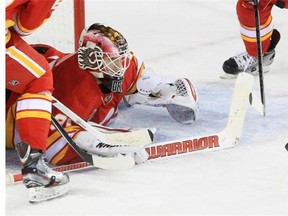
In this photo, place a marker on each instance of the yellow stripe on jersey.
(34, 106)
(249, 34)
(33, 114)
(34, 101)
(56, 139)
(25, 61)
(56, 135)
(254, 40)
(9, 23)
(60, 155)
(35, 96)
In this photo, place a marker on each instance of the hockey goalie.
(93, 81)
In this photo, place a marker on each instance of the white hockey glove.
(86, 141)
(179, 97)
(151, 90)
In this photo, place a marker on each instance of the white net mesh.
(58, 31)
(181, 89)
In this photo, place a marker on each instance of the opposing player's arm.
(33, 15)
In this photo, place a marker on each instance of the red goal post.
(79, 20)
(63, 28)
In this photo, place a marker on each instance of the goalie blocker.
(179, 97)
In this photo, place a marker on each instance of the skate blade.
(40, 194)
(266, 69)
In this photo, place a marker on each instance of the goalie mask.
(104, 51)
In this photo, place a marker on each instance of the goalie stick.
(109, 135)
(224, 139)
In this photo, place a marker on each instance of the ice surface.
(185, 39)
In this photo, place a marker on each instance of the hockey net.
(63, 29)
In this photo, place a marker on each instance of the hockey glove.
(179, 97)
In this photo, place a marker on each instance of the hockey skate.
(243, 62)
(42, 182)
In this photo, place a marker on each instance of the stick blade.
(256, 104)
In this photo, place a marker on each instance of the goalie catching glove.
(87, 141)
(179, 97)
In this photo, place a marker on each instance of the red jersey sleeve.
(31, 14)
